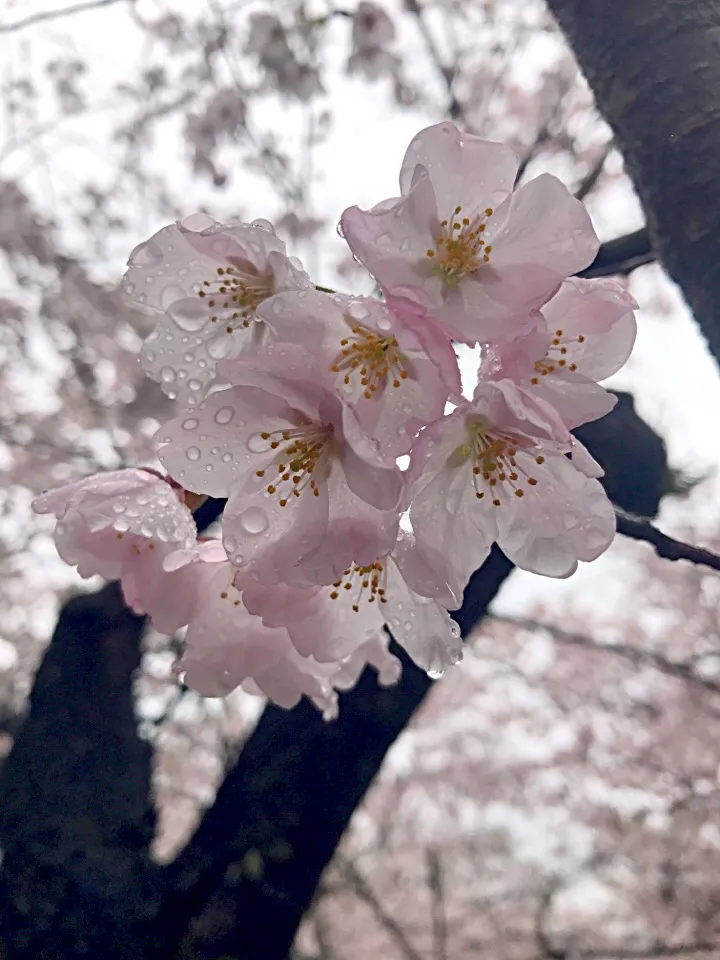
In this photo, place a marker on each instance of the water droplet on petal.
(193, 453)
(227, 457)
(224, 415)
(190, 313)
(384, 323)
(190, 424)
(167, 374)
(146, 254)
(258, 444)
(254, 521)
(358, 310)
(171, 294)
(119, 507)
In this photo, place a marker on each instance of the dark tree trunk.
(654, 67)
(76, 817)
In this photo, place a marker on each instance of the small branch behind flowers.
(43, 16)
(635, 655)
(640, 528)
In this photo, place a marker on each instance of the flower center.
(460, 248)
(496, 470)
(373, 357)
(303, 454)
(556, 357)
(236, 293)
(368, 584)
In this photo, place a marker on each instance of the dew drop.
(358, 310)
(146, 254)
(195, 385)
(227, 457)
(224, 415)
(254, 521)
(119, 507)
(190, 424)
(189, 313)
(258, 444)
(193, 453)
(220, 347)
(170, 295)
(121, 525)
(167, 374)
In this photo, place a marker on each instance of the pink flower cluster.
(297, 406)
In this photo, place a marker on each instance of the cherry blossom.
(381, 366)
(207, 280)
(495, 470)
(295, 405)
(585, 333)
(121, 525)
(308, 491)
(226, 646)
(458, 241)
(400, 591)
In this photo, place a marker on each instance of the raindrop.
(384, 323)
(258, 444)
(146, 254)
(358, 310)
(227, 457)
(130, 288)
(220, 347)
(167, 374)
(121, 525)
(190, 313)
(171, 294)
(195, 385)
(119, 508)
(254, 521)
(230, 544)
(190, 424)
(436, 672)
(193, 453)
(150, 356)
(224, 415)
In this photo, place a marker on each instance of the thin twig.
(636, 655)
(593, 175)
(363, 890)
(43, 16)
(455, 109)
(640, 528)
(437, 891)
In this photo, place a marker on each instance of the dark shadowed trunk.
(654, 67)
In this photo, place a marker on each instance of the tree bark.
(654, 67)
(76, 816)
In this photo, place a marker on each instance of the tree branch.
(44, 16)
(362, 889)
(635, 655)
(587, 184)
(621, 256)
(455, 109)
(640, 528)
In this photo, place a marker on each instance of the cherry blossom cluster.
(362, 487)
